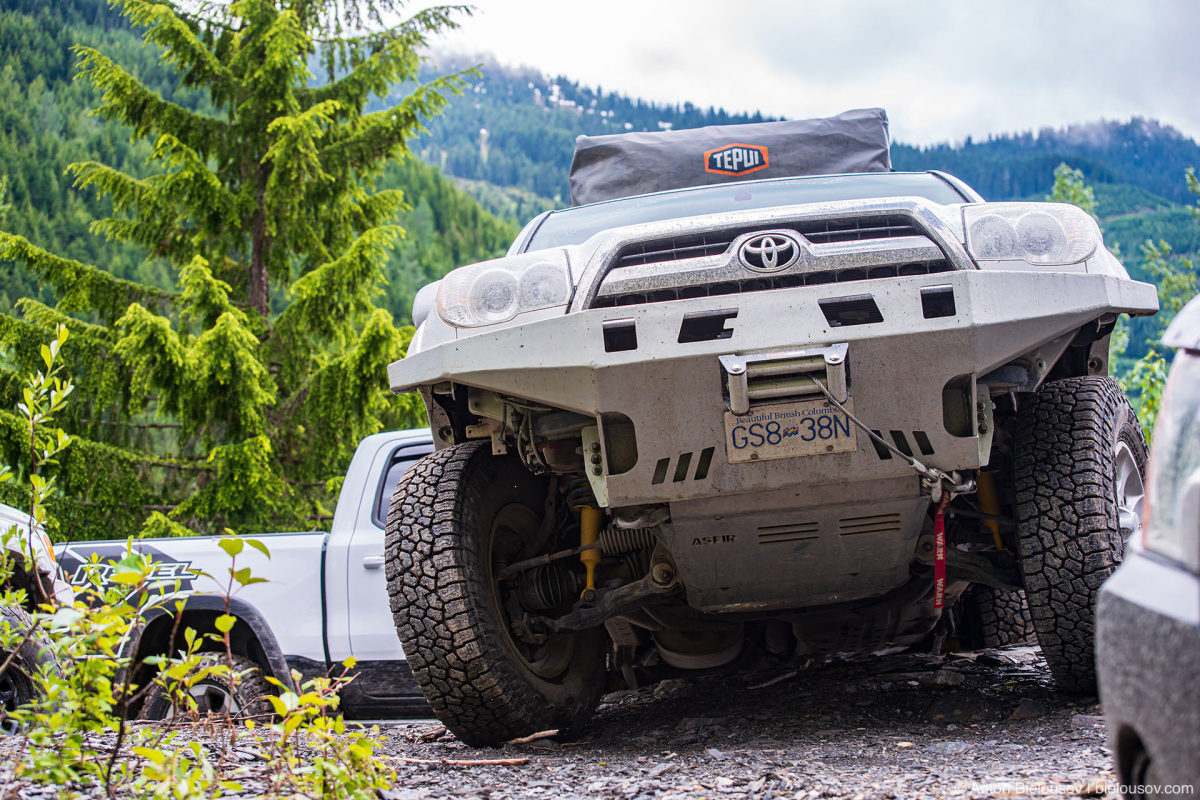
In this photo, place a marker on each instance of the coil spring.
(580, 493)
(625, 540)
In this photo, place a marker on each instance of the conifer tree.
(237, 398)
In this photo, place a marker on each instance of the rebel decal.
(77, 563)
(736, 159)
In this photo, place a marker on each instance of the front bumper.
(672, 392)
(1147, 661)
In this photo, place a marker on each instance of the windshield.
(577, 225)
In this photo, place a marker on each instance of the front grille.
(714, 243)
(677, 248)
(857, 230)
(759, 283)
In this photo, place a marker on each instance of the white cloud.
(943, 69)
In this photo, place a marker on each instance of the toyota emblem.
(769, 252)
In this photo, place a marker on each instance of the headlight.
(1045, 234)
(1172, 524)
(496, 291)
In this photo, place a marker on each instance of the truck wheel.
(216, 694)
(17, 686)
(1079, 468)
(455, 515)
(1001, 616)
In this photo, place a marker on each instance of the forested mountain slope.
(517, 128)
(507, 143)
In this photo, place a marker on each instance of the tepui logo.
(736, 159)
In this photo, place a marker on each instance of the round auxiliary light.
(993, 237)
(495, 296)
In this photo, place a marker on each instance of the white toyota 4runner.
(788, 415)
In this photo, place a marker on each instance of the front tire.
(450, 518)
(30, 654)
(1079, 468)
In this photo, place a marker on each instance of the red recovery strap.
(939, 551)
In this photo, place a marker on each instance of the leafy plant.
(1146, 382)
(1069, 187)
(86, 692)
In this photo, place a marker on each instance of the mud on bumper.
(672, 389)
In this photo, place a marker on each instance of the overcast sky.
(943, 69)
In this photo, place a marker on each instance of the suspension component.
(612, 542)
(989, 503)
(590, 521)
(617, 540)
(546, 587)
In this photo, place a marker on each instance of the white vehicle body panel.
(12, 518)
(321, 602)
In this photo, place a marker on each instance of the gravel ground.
(985, 724)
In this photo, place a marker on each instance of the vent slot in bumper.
(770, 377)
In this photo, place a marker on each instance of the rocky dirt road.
(969, 725)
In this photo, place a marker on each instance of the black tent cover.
(627, 164)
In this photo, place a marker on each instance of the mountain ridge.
(1141, 152)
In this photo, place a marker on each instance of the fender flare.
(276, 664)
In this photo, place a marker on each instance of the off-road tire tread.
(1067, 530)
(34, 654)
(436, 585)
(1004, 617)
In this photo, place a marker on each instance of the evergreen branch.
(378, 208)
(293, 155)
(149, 425)
(45, 319)
(227, 380)
(127, 100)
(393, 58)
(197, 65)
(244, 480)
(345, 400)
(266, 63)
(191, 187)
(382, 135)
(157, 357)
(203, 296)
(80, 287)
(330, 297)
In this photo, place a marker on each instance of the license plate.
(789, 430)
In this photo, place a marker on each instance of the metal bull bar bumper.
(673, 394)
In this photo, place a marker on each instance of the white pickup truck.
(325, 598)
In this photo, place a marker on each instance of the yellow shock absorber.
(590, 520)
(989, 503)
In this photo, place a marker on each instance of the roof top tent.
(628, 164)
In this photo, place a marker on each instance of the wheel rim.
(211, 698)
(1131, 492)
(548, 660)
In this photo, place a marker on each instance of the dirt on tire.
(1067, 515)
(1002, 616)
(440, 583)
